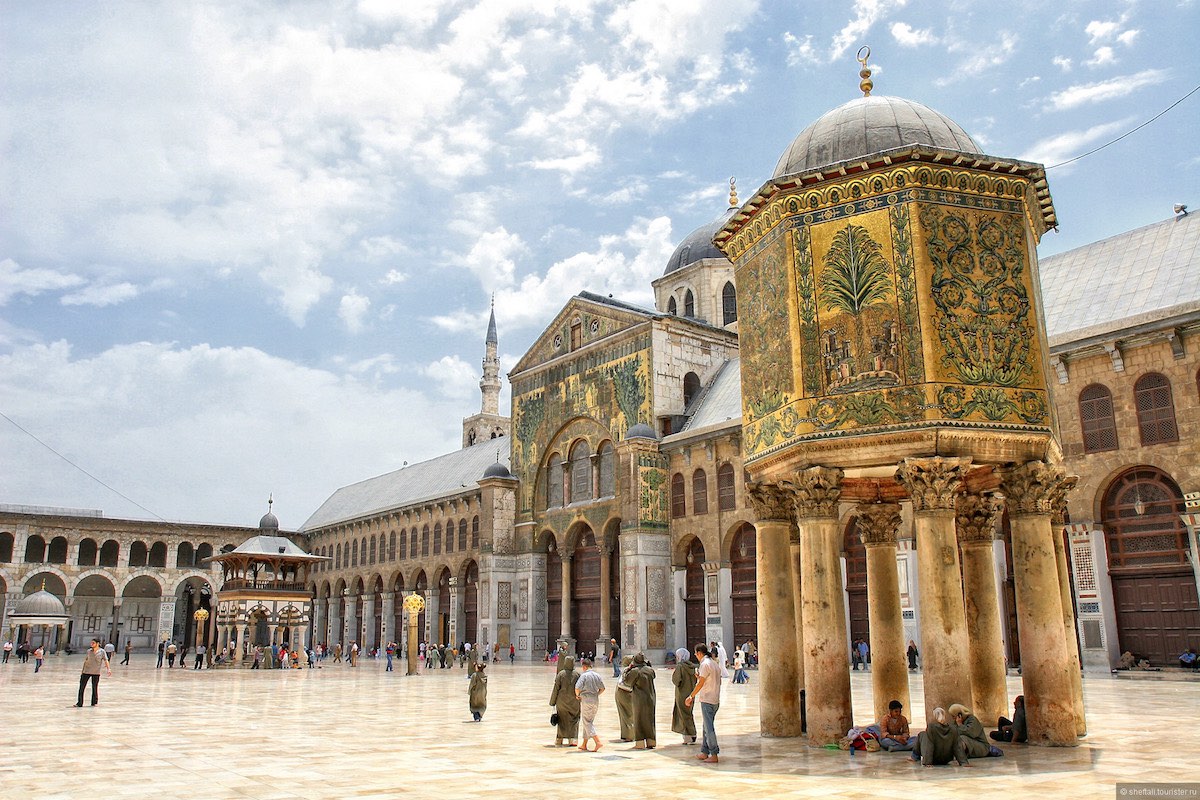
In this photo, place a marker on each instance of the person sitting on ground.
(893, 729)
(1189, 660)
(1127, 661)
(1013, 730)
(940, 743)
(974, 739)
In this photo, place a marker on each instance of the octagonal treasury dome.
(869, 125)
(40, 604)
(698, 245)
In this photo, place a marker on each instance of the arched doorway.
(356, 629)
(743, 558)
(92, 611)
(1154, 587)
(443, 635)
(193, 594)
(373, 638)
(470, 602)
(421, 586)
(856, 581)
(141, 599)
(553, 595)
(585, 592)
(694, 628)
(398, 622)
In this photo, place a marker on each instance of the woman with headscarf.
(940, 743)
(477, 693)
(641, 686)
(683, 720)
(624, 700)
(565, 702)
(970, 729)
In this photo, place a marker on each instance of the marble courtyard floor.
(364, 733)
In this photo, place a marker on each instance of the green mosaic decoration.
(855, 277)
(806, 305)
(767, 373)
(630, 392)
(906, 291)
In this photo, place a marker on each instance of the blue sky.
(248, 248)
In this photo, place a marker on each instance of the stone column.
(389, 619)
(567, 633)
(975, 518)
(826, 673)
(336, 632)
(368, 626)
(933, 485)
(452, 613)
(779, 697)
(321, 628)
(1045, 663)
(1058, 519)
(879, 527)
(606, 631)
(350, 624)
(116, 620)
(797, 605)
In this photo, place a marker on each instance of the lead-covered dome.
(497, 470)
(40, 604)
(871, 125)
(698, 245)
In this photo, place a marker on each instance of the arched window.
(424, 541)
(392, 546)
(6, 547)
(672, 307)
(1155, 409)
(450, 536)
(185, 556)
(475, 532)
(689, 304)
(110, 553)
(403, 544)
(691, 388)
(362, 548)
(337, 556)
(138, 554)
(1096, 419)
(57, 552)
(412, 544)
(699, 492)
(158, 554)
(437, 539)
(608, 470)
(729, 303)
(372, 550)
(554, 481)
(581, 472)
(354, 553)
(726, 494)
(462, 534)
(202, 552)
(678, 500)
(89, 552)
(35, 550)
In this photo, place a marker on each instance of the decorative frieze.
(933, 483)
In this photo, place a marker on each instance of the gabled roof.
(1144, 275)
(623, 315)
(451, 474)
(722, 398)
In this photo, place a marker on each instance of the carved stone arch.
(541, 542)
(200, 575)
(682, 547)
(611, 534)
(41, 569)
(358, 585)
(339, 588)
(419, 576)
(570, 540)
(324, 589)
(141, 573)
(731, 532)
(1105, 484)
(394, 576)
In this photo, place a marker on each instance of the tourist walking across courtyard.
(708, 692)
(566, 704)
(128, 652)
(640, 681)
(477, 692)
(588, 689)
(39, 655)
(683, 718)
(93, 661)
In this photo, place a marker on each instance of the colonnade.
(802, 620)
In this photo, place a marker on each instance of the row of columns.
(802, 620)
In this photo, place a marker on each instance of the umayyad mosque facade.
(860, 409)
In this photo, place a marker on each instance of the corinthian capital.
(975, 518)
(1058, 499)
(878, 523)
(771, 501)
(932, 483)
(1032, 487)
(818, 490)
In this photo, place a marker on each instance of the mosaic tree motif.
(855, 277)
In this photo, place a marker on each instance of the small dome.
(698, 245)
(641, 431)
(871, 125)
(268, 522)
(497, 470)
(41, 604)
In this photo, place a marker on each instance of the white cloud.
(1099, 92)
(1128, 37)
(1101, 30)
(1102, 56)
(454, 377)
(1063, 146)
(156, 421)
(393, 277)
(353, 309)
(1062, 62)
(800, 50)
(101, 295)
(16, 280)
(866, 14)
(492, 257)
(908, 36)
(980, 58)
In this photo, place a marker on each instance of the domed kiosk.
(35, 616)
(893, 348)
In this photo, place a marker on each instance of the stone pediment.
(586, 318)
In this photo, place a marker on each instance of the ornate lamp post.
(414, 604)
(201, 617)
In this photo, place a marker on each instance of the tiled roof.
(722, 400)
(1138, 276)
(271, 545)
(445, 475)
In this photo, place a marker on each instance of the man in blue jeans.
(614, 657)
(708, 692)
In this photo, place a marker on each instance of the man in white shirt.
(708, 692)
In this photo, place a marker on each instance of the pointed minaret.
(490, 384)
(488, 423)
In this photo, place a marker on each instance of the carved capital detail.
(932, 483)
(1058, 499)
(878, 523)
(771, 501)
(817, 491)
(975, 518)
(1031, 487)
